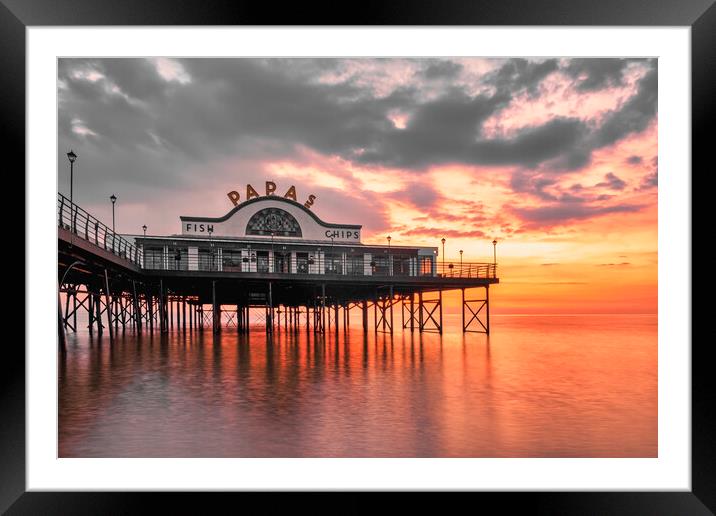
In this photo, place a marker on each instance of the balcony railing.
(466, 270)
(326, 265)
(76, 220)
(83, 225)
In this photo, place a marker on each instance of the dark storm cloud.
(519, 74)
(649, 181)
(159, 131)
(634, 160)
(442, 69)
(612, 182)
(596, 73)
(635, 114)
(419, 195)
(546, 216)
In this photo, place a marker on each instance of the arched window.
(273, 220)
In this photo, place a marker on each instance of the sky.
(555, 158)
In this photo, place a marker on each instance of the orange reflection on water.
(539, 386)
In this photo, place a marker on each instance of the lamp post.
(144, 228)
(494, 258)
(443, 241)
(460, 261)
(72, 157)
(390, 261)
(113, 198)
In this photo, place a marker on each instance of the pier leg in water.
(90, 311)
(60, 324)
(108, 306)
(487, 307)
(364, 310)
(215, 310)
(137, 308)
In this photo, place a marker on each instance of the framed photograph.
(431, 251)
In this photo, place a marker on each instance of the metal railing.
(466, 270)
(215, 259)
(330, 265)
(76, 220)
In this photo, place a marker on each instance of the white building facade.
(277, 235)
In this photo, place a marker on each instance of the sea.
(537, 386)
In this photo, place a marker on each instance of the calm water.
(540, 386)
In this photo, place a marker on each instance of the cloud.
(237, 106)
(441, 69)
(649, 181)
(521, 75)
(634, 160)
(596, 73)
(560, 214)
(634, 116)
(142, 126)
(443, 232)
(612, 182)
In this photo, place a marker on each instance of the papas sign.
(270, 190)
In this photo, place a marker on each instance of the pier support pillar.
(60, 324)
(364, 310)
(335, 312)
(472, 312)
(150, 310)
(137, 308)
(392, 295)
(269, 310)
(430, 313)
(108, 306)
(215, 310)
(90, 311)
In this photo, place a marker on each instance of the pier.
(277, 275)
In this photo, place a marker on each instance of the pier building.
(271, 261)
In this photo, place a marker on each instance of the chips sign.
(251, 193)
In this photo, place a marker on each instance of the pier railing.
(451, 269)
(329, 265)
(76, 220)
(83, 225)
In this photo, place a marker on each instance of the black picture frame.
(700, 15)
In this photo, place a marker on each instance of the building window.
(207, 259)
(426, 265)
(231, 260)
(153, 258)
(354, 265)
(302, 263)
(334, 263)
(380, 267)
(273, 221)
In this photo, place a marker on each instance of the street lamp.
(461, 260)
(113, 198)
(443, 241)
(72, 157)
(390, 261)
(494, 252)
(144, 228)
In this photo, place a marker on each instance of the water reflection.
(538, 387)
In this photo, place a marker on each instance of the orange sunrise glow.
(415, 149)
